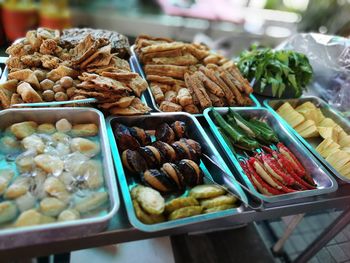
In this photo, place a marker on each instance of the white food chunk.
(93, 173)
(85, 146)
(69, 215)
(63, 125)
(50, 164)
(17, 188)
(55, 188)
(9, 144)
(24, 129)
(92, 202)
(26, 202)
(32, 217)
(33, 142)
(51, 206)
(5, 177)
(74, 161)
(8, 211)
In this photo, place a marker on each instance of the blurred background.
(218, 23)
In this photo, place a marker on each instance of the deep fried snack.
(157, 92)
(33, 60)
(198, 53)
(186, 212)
(206, 191)
(25, 75)
(218, 201)
(217, 102)
(200, 92)
(190, 86)
(184, 60)
(166, 70)
(238, 96)
(101, 57)
(16, 99)
(10, 85)
(135, 108)
(144, 217)
(19, 49)
(184, 97)
(162, 47)
(84, 49)
(5, 97)
(27, 93)
(210, 85)
(49, 61)
(218, 208)
(15, 63)
(121, 103)
(120, 75)
(170, 107)
(240, 81)
(138, 85)
(62, 71)
(211, 59)
(49, 47)
(193, 109)
(170, 96)
(179, 203)
(160, 54)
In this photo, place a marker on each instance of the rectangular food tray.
(312, 143)
(13, 237)
(149, 97)
(126, 181)
(326, 183)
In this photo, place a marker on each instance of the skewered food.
(165, 133)
(191, 172)
(173, 172)
(51, 175)
(168, 153)
(133, 161)
(151, 155)
(158, 180)
(335, 144)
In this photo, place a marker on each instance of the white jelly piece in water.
(52, 206)
(69, 215)
(17, 188)
(25, 161)
(54, 187)
(92, 202)
(63, 125)
(8, 211)
(9, 144)
(62, 149)
(85, 146)
(26, 202)
(61, 137)
(50, 164)
(73, 162)
(47, 128)
(92, 173)
(33, 142)
(6, 175)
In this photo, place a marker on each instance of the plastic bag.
(330, 59)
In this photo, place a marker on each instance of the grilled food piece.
(158, 180)
(151, 155)
(165, 133)
(180, 129)
(133, 161)
(173, 172)
(124, 138)
(167, 152)
(191, 172)
(140, 135)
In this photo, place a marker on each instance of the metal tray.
(326, 183)
(312, 143)
(151, 101)
(62, 230)
(126, 182)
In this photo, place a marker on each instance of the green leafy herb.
(280, 70)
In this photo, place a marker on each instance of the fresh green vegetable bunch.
(279, 69)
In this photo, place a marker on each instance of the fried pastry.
(166, 70)
(180, 202)
(147, 57)
(28, 94)
(32, 61)
(186, 212)
(198, 53)
(121, 103)
(61, 72)
(191, 108)
(184, 60)
(49, 61)
(200, 92)
(120, 75)
(211, 59)
(184, 97)
(211, 86)
(168, 106)
(26, 75)
(238, 96)
(68, 215)
(190, 86)
(157, 92)
(101, 57)
(5, 97)
(138, 85)
(48, 47)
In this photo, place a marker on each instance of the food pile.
(168, 165)
(49, 65)
(188, 77)
(309, 122)
(151, 207)
(272, 170)
(282, 72)
(50, 172)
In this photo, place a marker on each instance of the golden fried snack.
(19, 49)
(166, 53)
(189, 85)
(184, 60)
(27, 93)
(33, 60)
(120, 75)
(138, 85)
(218, 201)
(157, 92)
(101, 57)
(191, 108)
(161, 79)
(179, 203)
(25, 75)
(121, 103)
(238, 96)
(10, 85)
(206, 191)
(210, 85)
(144, 217)
(217, 102)
(49, 47)
(49, 61)
(218, 208)
(84, 49)
(200, 92)
(211, 59)
(186, 212)
(135, 108)
(166, 70)
(61, 72)
(16, 99)
(241, 82)
(184, 97)
(162, 47)
(14, 64)
(198, 53)
(170, 107)
(170, 96)
(5, 98)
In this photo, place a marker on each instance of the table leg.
(329, 233)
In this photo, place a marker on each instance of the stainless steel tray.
(326, 183)
(151, 101)
(126, 182)
(70, 229)
(312, 143)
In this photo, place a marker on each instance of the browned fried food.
(19, 49)
(238, 96)
(162, 47)
(5, 97)
(198, 53)
(102, 82)
(157, 92)
(135, 108)
(166, 70)
(61, 72)
(200, 91)
(190, 86)
(49, 61)
(191, 108)
(210, 85)
(212, 58)
(241, 83)
(138, 85)
(32, 60)
(183, 60)
(84, 49)
(15, 63)
(120, 75)
(16, 99)
(26, 75)
(28, 94)
(10, 85)
(159, 54)
(217, 102)
(121, 103)
(101, 57)
(48, 47)
(170, 106)
(170, 95)
(184, 97)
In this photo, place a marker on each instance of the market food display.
(167, 162)
(50, 172)
(309, 122)
(188, 77)
(276, 73)
(272, 169)
(49, 65)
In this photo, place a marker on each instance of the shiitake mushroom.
(179, 128)
(141, 135)
(167, 152)
(191, 172)
(165, 133)
(151, 155)
(173, 172)
(133, 161)
(158, 180)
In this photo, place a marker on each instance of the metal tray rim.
(112, 189)
(235, 163)
(137, 67)
(127, 197)
(303, 141)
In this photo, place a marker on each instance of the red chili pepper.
(273, 167)
(260, 184)
(244, 166)
(298, 168)
(268, 178)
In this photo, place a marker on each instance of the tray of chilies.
(163, 181)
(189, 77)
(56, 175)
(320, 128)
(267, 156)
